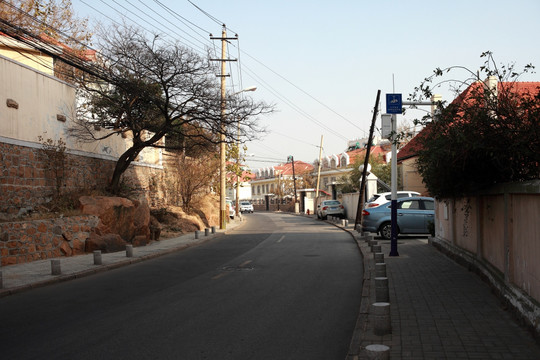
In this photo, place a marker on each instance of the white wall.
(41, 98)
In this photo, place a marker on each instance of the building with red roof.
(410, 179)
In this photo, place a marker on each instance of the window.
(409, 205)
(429, 205)
(259, 190)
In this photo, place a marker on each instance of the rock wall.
(27, 241)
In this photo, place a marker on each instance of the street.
(278, 287)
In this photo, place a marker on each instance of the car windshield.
(245, 203)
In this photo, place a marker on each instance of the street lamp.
(222, 169)
(237, 209)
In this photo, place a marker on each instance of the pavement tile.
(442, 310)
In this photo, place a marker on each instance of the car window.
(373, 198)
(331, 202)
(388, 197)
(409, 204)
(429, 205)
(402, 195)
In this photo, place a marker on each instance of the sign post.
(394, 106)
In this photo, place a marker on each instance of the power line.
(180, 17)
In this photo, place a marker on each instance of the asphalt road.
(279, 287)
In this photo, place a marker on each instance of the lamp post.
(237, 209)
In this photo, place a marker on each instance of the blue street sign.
(394, 105)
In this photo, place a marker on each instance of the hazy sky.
(322, 62)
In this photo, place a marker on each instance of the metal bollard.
(378, 257)
(197, 233)
(380, 270)
(206, 232)
(129, 250)
(213, 229)
(97, 257)
(381, 289)
(381, 318)
(55, 267)
(378, 352)
(376, 249)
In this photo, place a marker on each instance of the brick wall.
(27, 241)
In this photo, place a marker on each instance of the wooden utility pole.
(223, 215)
(358, 219)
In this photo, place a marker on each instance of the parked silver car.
(413, 217)
(330, 207)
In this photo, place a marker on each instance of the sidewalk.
(438, 309)
(22, 277)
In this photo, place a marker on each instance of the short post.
(377, 352)
(97, 257)
(129, 250)
(206, 232)
(343, 223)
(381, 289)
(346, 222)
(378, 257)
(373, 242)
(380, 270)
(197, 233)
(376, 249)
(370, 238)
(55, 267)
(381, 318)
(213, 229)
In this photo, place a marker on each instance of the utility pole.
(294, 179)
(358, 220)
(318, 174)
(223, 215)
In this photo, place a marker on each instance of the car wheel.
(386, 230)
(324, 217)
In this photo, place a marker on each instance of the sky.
(321, 63)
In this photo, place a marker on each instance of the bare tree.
(155, 89)
(55, 18)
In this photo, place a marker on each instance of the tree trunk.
(121, 166)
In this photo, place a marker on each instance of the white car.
(383, 198)
(230, 207)
(246, 206)
(330, 207)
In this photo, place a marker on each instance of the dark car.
(414, 214)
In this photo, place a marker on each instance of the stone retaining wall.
(27, 241)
